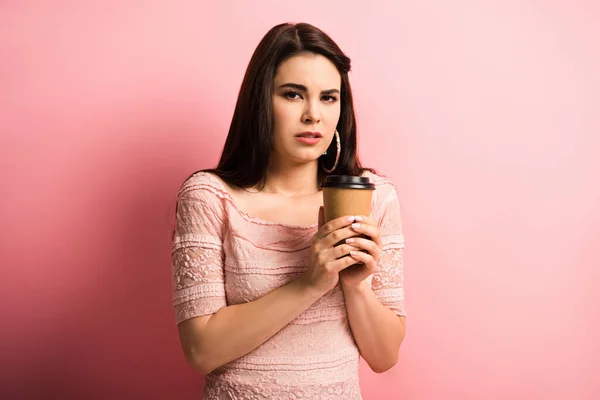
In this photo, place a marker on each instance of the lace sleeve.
(388, 281)
(197, 254)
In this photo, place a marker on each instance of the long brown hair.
(246, 152)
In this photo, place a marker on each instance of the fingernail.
(351, 240)
(358, 218)
(355, 226)
(353, 252)
(350, 219)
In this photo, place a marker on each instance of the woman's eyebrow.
(304, 89)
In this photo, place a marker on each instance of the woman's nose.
(311, 114)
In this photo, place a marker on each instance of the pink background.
(485, 115)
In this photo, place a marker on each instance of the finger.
(335, 237)
(334, 225)
(341, 251)
(342, 263)
(369, 230)
(367, 245)
(367, 219)
(364, 258)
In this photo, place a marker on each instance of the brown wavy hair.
(247, 149)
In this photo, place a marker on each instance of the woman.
(265, 303)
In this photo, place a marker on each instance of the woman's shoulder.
(385, 191)
(381, 182)
(203, 186)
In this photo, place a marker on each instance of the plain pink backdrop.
(484, 114)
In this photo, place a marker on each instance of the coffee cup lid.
(348, 182)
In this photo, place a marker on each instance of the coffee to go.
(345, 195)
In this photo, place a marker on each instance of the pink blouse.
(222, 256)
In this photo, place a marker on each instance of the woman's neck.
(291, 181)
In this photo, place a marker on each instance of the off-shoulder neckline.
(223, 188)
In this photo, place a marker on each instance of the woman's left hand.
(354, 275)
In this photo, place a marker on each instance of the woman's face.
(306, 103)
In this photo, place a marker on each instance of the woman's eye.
(296, 95)
(292, 95)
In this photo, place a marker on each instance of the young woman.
(265, 302)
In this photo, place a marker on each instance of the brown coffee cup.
(345, 195)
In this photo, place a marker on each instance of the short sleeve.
(197, 252)
(388, 281)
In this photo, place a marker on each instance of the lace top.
(222, 256)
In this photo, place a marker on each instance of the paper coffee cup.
(345, 195)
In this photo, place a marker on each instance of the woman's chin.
(304, 156)
(308, 155)
(307, 159)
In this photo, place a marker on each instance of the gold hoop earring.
(337, 154)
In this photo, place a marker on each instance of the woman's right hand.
(327, 259)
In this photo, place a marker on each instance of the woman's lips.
(308, 140)
(309, 137)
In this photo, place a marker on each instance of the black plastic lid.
(348, 182)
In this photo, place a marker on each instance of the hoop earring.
(337, 154)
